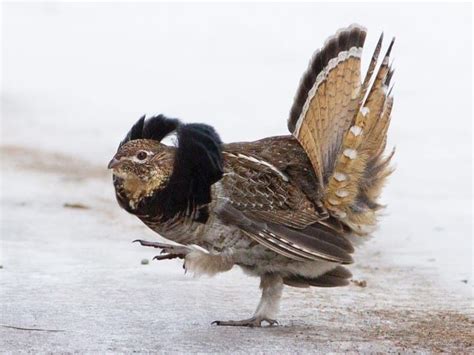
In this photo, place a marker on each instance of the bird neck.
(134, 194)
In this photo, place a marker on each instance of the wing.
(261, 199)
(257, 185)
(342, 126)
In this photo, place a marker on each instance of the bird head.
(144, 161)
(150, 176)
(142, 167)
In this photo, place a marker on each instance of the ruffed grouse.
(288, 208)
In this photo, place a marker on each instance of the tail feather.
(326, 99)
(370, 70)
(346, 143)
(337, 277)
(366, 168)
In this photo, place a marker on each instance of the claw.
(166, 257)
(163, 257)
(146, 243)
(251, 322)
(168, 251)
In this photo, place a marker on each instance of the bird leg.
(195, 260)
(272, 287)
(202, 263)
(168, 251)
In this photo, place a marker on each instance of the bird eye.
(142, 155)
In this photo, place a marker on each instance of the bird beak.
(113, 163)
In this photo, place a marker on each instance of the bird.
(288, 209)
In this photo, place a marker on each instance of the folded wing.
(270, 208)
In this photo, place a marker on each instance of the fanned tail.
(343, 129)
(361, 169)
(327, 99)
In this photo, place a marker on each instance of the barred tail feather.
(343, 125)
(361, 161)
(327, 99)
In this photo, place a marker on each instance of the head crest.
(155, 127)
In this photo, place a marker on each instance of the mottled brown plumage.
(286, 208)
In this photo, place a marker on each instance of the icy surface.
(75, 77)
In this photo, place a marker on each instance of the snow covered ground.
(76, 76)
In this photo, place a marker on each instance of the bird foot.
(251, 322)
(168, 251)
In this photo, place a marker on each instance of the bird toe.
(254, 322)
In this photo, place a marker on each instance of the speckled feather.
(285, 205)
